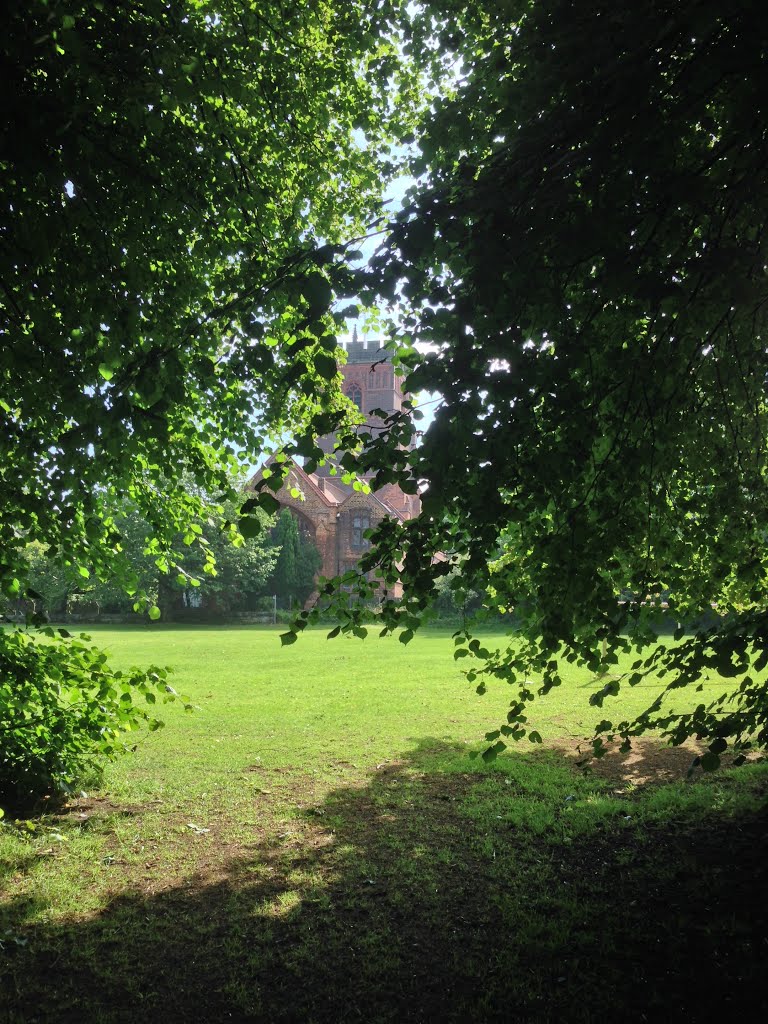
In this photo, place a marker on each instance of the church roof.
(330, 495)
(325, 485)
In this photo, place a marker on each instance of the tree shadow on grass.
(525, 892)
(649, 761)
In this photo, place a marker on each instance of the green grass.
(315, 843)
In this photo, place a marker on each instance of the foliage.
(212, 558)
(61, 587)
(298, 561)
(226, 570)
(176, 176)
(583, 252)
(163, 286)
(243, 570)
(454, 602)
(582, 263)
(51, 580)
(63, 710)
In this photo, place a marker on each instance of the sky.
(393, 197)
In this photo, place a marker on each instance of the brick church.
(332, 514)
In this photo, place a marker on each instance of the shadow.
(521, 892)
(650, 761)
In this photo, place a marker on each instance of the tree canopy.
(176, 177)
(578, 272)
(238, 578)
(582, 264)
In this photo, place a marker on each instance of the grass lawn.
(314, 843)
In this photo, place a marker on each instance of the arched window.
(355, 395)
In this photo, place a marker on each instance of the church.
(332, 514)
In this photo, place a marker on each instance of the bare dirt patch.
(650, 761)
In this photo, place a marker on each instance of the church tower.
(331, 513)
(370, 383)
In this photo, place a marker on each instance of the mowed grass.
(315, 843)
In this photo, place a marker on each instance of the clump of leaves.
(64, 710)
(594, 326)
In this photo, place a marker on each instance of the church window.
(356, 395)
(360, 523)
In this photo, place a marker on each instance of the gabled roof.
(304, 481)
(373, 498)
(324, 490)
(327, 487)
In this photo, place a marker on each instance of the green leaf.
(249, 526)
(326, 366)
(493, 752)
(154, 613)
(317, 291)
(106, 371)
(288, 638)
(406, 636)
(269, 503)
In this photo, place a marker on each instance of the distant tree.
(213, 561)
(297, 562)
(454, 600)
(50, 580)
(243, 572)
(308, 562)
(225, 570)
(286, 539)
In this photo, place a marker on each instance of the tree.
(176, 177)
(162, 275)
(308, 563)
(286, 537)
(52, 581)
(297, 562)
(226, 570)
(243, 570)
(213, 561)
(583, 262)
(583, 251)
